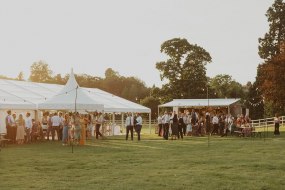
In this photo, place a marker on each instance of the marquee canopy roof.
(30, 95)
(71, 97)
(200, 102)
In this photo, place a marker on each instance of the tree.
(270, 79)
(20, 76)
(58, 79)
(184, 69)
(5, 77)
(269, 46)
(254, 101)
(225, 87)
(110, 73)
(152, 103)
(40, 72)
(271, 74)
(133, 88)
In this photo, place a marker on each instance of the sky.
(125, 35)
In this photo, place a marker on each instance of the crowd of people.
(192, 123)
(74, 126)
(65, 127)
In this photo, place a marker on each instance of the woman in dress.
(276, 125)
(66, 125)
(77, 128)
(20, 129)
(189, 126)
(89, 126)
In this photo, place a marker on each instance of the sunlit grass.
(153, 163)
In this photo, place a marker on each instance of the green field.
(153, 163)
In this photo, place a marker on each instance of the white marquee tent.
(230, 104)
(72, 98)
(22, 96)
(200, 102)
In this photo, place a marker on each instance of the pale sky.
(91, 36)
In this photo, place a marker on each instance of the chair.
(3, 140)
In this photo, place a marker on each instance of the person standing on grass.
(77, 128)
(180, 125)
(129, 126)
(8, 121)
(221, 125)
(276, 125)
(208, 123)
(189, 126)
(100, 121)
(166, 121)
(89, 126)
(94, 122)
(20, 129)
(139, 125)
(66, 125)
(13, 128)
(49, 130)
(60, 128)
(184, 126)
(228, 125)
(160, 125)
(56, 121)
(36, 132)
(215, 122)
(28, 125)
(45, 124)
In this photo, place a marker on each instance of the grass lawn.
(153, 163)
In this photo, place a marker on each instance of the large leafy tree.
(223, 86)
(184, 69)
(269, 45)
(271, 74)
(270, 79)
(40, 72)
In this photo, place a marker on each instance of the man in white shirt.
(129, 126)
(28, 125)
(55, 123)
(166, 118)
(139, 125)
(215, 122)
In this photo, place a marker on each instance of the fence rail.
(266, 122)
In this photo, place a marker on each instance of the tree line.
(184, 74)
